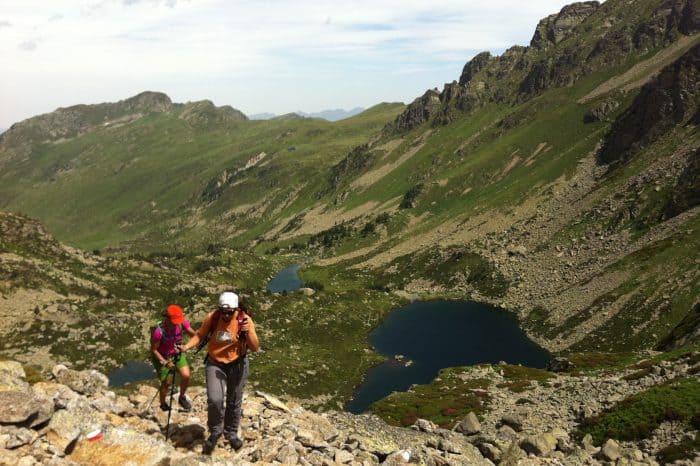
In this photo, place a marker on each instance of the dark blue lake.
(438, 334)
(132, 371)
(286, 280)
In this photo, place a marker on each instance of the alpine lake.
(418, 340)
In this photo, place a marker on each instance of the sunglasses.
(227, 310)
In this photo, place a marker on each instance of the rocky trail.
(75, 419)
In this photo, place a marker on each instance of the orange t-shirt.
(223, 345)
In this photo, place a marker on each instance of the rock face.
(555, 28)
(419, 111)
(669, 100)
(581, 39)
(473, 66)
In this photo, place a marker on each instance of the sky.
(274, 56)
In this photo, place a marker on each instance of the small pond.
(286, 280)
(132, 371)
(433, 335)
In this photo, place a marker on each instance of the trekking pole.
(172, 393)
(148, 406)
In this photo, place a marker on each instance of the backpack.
(242, 314)
(159, 324)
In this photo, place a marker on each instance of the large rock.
(273, 402)
(539, 445)
(470, 425)
(60, 395)
(17, 407)
(513, 422)
(559, 364)
(121, 446)
(15, 437)
(610, 451)
(473, 66)
(424, 425)
(86, 382)
(12, 376)
(511, 455)
(418, 111)
(67, 425)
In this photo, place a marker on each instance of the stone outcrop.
(418, 112)
(473, 66)
(561, 52)
(555, 28)
(671, 99)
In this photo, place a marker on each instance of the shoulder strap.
(212, 327)
(156, 326)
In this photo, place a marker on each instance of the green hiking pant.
(162, 369)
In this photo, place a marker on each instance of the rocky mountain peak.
(561, 52)
(554, 28)
(148, 101)
(204, 113)
(473, 66)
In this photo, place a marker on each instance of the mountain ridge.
(329, 115)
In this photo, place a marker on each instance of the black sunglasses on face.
(227, 310)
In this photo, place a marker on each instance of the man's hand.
(170, 365)
(245, 325)
(180, 348)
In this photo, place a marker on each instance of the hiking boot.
(235, 442)
(184, 403)
(210, 444)
(164, 406)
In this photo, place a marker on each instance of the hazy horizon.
(281, 58)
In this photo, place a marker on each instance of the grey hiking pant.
(225, 382)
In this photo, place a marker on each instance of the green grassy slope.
(146, 179)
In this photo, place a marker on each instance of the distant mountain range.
(330, 115)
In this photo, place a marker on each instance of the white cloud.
(272, 56)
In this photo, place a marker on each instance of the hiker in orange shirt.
(231, 333)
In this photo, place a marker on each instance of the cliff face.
(671, 99)
(555, 28)
(583, 38)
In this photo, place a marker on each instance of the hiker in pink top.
(164, 337)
